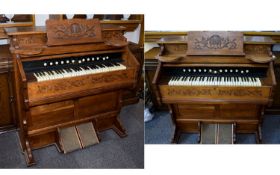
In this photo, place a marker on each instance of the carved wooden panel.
(29, 41)
(74, 31)
(114, 38)
(216, 93)
(52, 88)
(215, 43)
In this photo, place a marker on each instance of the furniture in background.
(7, 114)
(7, 108)
(18, 20)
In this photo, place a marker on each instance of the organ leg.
(199, 133)
(28, 154)
(118, 128)
(234, 133)
(259, 131)
(176, 136)
(259, 134)
(177, 132)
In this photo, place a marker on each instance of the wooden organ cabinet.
(70, 73)
(215, 83)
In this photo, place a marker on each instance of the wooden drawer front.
(195, 111)
(51, 114)
(97, 104)
(237, 111)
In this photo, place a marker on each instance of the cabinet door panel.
(5, 106)
(96, 104)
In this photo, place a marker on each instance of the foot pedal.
(87, 134)
(217, 133)
(225, 134)
(208, 133)
(77, 137)
(69, 139)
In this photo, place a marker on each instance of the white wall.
(148, 46)
(3, 41)
(40, 19)
(134, 36)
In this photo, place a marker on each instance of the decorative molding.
(215, 92)
(214, 42)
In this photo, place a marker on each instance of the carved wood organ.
(71, 72)
(215, 77)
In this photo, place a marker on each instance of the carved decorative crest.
(74, 31)
(215, 43)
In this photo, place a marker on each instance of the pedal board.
(217, 133)
(77, 137)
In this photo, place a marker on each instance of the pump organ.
(215, 77)
(69, 73)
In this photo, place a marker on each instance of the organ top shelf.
(228, 46)
(183, 39)
(42, 29)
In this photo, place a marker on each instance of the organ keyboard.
(215, 77)
(43, 70)
(70, 73)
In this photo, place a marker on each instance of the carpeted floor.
(111, 152)
(160, 130)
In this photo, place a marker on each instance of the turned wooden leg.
(234, 133)
(28, 154)
(259, 135)
(176, 136)
(119, 129)
(199, 133)
(57, 142)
